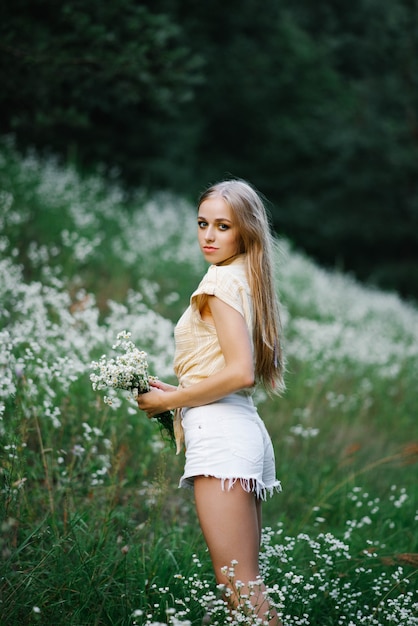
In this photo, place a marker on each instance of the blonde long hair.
(257, 242)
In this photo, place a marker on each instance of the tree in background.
(366, 196)
(100, 82)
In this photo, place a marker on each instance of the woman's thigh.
(230, 522)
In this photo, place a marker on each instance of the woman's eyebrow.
(218, 219)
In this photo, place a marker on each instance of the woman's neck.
(230, 259)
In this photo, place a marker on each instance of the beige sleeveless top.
(198, 353)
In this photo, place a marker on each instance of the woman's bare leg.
(260, 526)
(230, 522)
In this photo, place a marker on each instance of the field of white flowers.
(93, 529)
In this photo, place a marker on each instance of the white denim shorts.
(228, 440)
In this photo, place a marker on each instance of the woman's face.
(218, 234)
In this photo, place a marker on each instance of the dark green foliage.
(365, 201)
(91, 80)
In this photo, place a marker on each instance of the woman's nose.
(209, 235)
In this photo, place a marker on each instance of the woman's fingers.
(159, 384)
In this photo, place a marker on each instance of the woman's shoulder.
(227, 282)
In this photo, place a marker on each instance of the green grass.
(94, 529)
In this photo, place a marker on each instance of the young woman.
(227, 341)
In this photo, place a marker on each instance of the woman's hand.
(155, 401)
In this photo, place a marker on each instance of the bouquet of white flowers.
(128, 371)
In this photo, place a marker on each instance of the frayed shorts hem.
(260, 490)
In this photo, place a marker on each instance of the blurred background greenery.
(316, 103)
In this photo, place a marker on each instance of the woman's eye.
(202, 224)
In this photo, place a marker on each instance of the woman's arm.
(237, 374)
